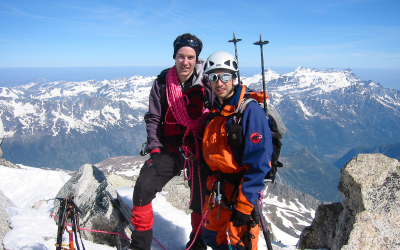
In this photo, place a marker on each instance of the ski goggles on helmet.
(225, 77)
(183, 41)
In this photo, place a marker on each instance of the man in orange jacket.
(238, 150)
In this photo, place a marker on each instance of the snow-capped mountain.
(304, 81)
(66, 124)
(69, 103)
(332, 111)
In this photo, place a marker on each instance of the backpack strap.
(162, 82)
(206, 98)
(237, 116)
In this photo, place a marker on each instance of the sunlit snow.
(26, 186)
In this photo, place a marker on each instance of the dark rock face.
(370, 217)
(322, 231)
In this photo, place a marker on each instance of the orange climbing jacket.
(239, 168)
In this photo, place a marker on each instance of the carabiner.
(186, 153)
(144, 150)
(211, 205)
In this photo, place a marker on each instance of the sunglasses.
(183, 41)
(225, 77)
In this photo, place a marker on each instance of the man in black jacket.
(178, 107)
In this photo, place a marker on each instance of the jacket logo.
(255, 137)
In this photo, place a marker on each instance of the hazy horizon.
(14, 76)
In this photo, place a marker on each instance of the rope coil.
(177, 104)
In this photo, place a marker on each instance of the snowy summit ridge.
(82, 106)
(305, 80)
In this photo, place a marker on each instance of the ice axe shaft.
(60, 231)
(264, 225)
(261, 43)
(234, 41)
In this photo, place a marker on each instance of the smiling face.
(222, 90)
(185, 60)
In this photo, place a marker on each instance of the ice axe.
(263, 224)
(235, 40)
(261, 43)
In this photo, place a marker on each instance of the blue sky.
(322, 34)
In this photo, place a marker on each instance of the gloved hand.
(155, 161)
(239, 219)
(271, 174)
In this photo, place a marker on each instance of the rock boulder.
(370, 213)
(89, 186)
(4, 222)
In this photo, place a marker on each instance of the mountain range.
(327, 113)
(332, 111)
(390, 150)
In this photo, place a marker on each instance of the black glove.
(239, 219)
(155, 161)
(271, 174)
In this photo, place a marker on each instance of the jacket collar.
(230, 105)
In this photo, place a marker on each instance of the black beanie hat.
(183, 41)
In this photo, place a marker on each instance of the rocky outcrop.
(4, 222)
(322, 232)
(122, 165)
(369, 216)
(89, 186)
(4, 162)
(4, 203)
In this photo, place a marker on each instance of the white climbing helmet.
(221, 60)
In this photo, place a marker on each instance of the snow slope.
(34, 229)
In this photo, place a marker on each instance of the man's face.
(185, 60)
(222, 90)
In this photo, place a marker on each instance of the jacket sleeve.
(256, 156)
(153, 119)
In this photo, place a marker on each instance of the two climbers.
(237, 149)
